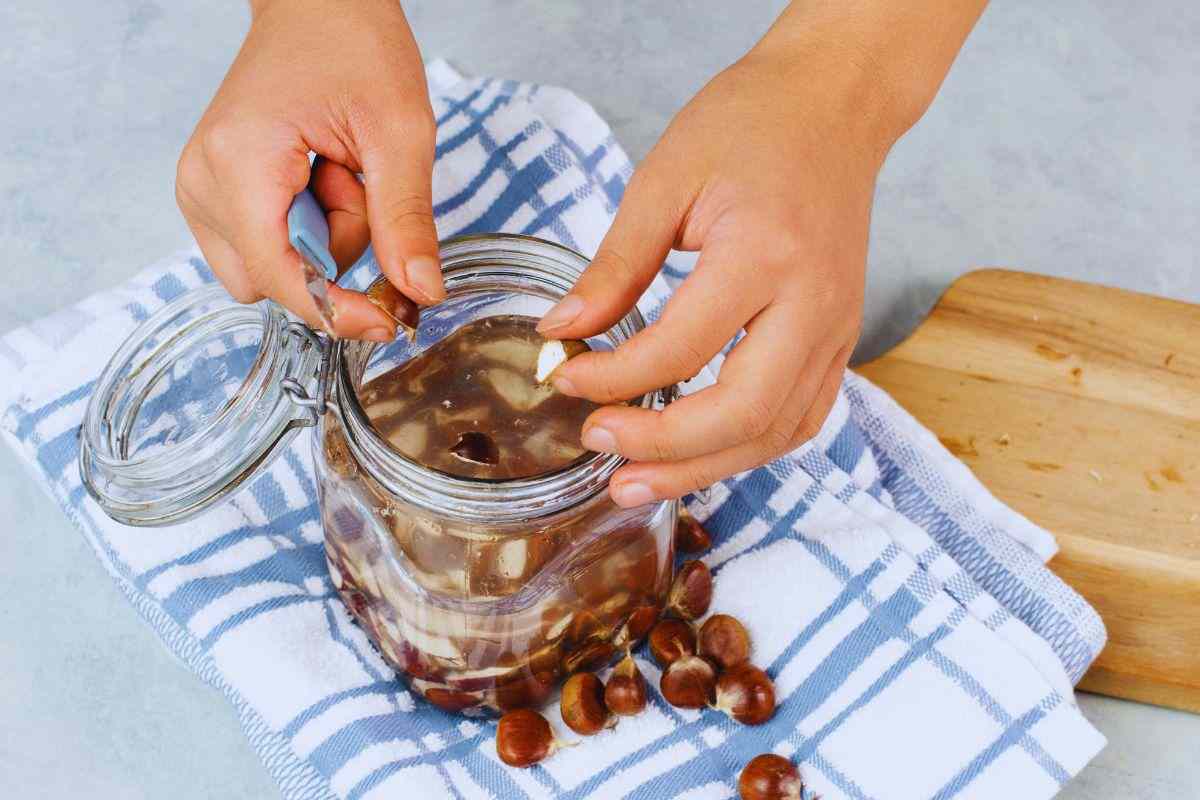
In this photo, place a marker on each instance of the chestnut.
(523, 738)
(591, 655)
(636, 626)
(690, 536)
(723, 640)
(625, 694)
(451, 700)
(688, 682)
(671, 640)
(747, 694)
(403, 311)
(770, 777)
(476, 448)
(691, 592)
(582, 704)
(554, 353)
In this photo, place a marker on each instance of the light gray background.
(1066, 141)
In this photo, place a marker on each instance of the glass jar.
(485, 593)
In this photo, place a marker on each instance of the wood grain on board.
(1079, 406)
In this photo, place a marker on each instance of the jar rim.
(466, 259)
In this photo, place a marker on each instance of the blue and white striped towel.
(919, 646)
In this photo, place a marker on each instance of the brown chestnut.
(590, 655)
(554, 353)
(691, 592)
(527, 690)
(671, 640)
(582, 704)
(451, 700)
(723, 640)
(476, 448)
(770, 777)
(688, 682)
(625, 694)
(403, 311)
(523, 738)
(690, 536)
(747, 694)
(636, 626)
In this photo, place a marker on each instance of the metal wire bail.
(319, 402)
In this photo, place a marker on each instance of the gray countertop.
(1066, 141)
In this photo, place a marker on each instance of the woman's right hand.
(343, 80)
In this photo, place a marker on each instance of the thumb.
(630, 256)
(398, 170)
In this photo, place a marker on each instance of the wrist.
(880, 62)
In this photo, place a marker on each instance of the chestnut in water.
(523, 738)
(625, 694)
(691, 592)
(723, 640)
(476, 448)
(747, 694)
(582, 704)
(770, 777)
(637, 626)
(688, 682)
(671, 640)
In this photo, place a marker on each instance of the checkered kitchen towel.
(920, 648)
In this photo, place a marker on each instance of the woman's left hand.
(769, 172)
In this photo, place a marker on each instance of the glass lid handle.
(317, 402)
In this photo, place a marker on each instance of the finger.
(826, 396)
(225, 262)
(344, 199)
(756, 379)
(706, 311)
(630, 256)
(641, 483)
(261, 199)
(397, 162)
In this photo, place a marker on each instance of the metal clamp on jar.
(485, 593)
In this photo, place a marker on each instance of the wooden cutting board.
(1079, 406)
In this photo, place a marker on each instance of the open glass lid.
(192, 404)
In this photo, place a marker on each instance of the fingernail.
(378, 335)
(424, 275)
(599, 440)
(564, 386)
(630, 495)
(562, 314)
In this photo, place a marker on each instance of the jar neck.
(471, 267)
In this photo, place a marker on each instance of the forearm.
(893, 55)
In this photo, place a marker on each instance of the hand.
(769, 172)
(342, 80)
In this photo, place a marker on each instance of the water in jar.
(483, 616)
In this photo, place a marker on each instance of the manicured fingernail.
(378, 335)
(562, 314)
(630, 495)
(599, 440)
(424, 275)
(564, 385)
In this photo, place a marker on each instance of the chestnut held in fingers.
(747, 694)
(723, 640)
(691, 592)
(523, 738)
(770, 777)
(690, 536)
(688, 682)
(625, 693)
(582, 704)
(554, 354)
(671, 640)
